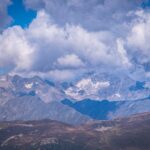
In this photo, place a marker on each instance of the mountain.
(131, 133)
(32, 108)
(105, 110)
(98, 87)
(36, 98)
(128, 108)
(98, 110)
(107, 86)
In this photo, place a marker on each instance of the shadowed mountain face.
(95, 109)
(121, 134)
(106, 110)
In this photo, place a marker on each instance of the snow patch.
(87, 87)
(28, 85)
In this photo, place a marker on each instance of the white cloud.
(15, 51)
(123, 53)
(87, 13)
(81, 36)
(138, 38)
(70, 61)
(54, 44)
(44, 43)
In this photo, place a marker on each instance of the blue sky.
(21, 16)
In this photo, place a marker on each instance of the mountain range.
(93, 97)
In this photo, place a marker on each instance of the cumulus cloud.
(5, 19)
(82, 36)
(87, 13)
(138, 38)
(44, 44)
(15, 51)
(70, 61)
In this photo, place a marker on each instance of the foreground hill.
(121, 134)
